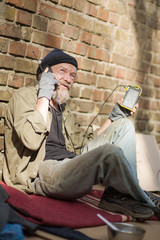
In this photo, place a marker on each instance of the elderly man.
(41, 138)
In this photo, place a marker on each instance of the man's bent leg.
(122, 134)
(73, 178)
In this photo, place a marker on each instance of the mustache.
(64, 83)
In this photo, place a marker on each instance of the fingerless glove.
(47, 85)
(119, 112)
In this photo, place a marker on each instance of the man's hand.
(47, 85)
(119, 112)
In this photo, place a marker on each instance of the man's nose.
(68, 78)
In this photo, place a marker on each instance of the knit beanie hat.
(55, 57)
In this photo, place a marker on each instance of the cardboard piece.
(148, 162)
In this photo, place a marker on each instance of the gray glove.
(47, 85)
(119, 112)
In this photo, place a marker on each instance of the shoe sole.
(117, 208)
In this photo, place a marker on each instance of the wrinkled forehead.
(66, 66)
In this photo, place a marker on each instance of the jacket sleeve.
(27, 122)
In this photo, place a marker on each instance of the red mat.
(52, 212)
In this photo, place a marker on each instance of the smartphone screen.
(131, 98)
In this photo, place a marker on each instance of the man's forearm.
(42, 106)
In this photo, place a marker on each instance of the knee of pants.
(114, 154)
(127, 123)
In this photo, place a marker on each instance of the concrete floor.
(101, 233)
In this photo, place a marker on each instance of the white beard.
(61, 95)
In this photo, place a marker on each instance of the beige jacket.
(25, 138)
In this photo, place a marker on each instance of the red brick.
(99, 67)
(3, 78)
(121, 60)
(155, 70)
(148, 104)
(10, 13)
(5, 95)
(103, 14)
(148, 92)
(120, 73)
(75, 91)
(114, 18)
(4, 45)
(33, 52)
(130, 75)
(17, 48)
(82, 106)
(52, 41)
(6, 61)
(29, 82)
(116, 6)
(108, 44)
(26, 33)
(10, 30)
(80, 6)
(15, 81)
(46, 39)
(86, 37)
(156, 59)
(98, 40)
(67, 3)
(71, 32)
(81, 49)
(27, 66)
(86, 64)
(40, 22)
(140, 77)
(92, 78)
(109, 98)
(157, 82)
(68, 45)
(86, 92)
(24, 18)
(91, 10)
(99, 54)
(106, 83)
(55, 27)
(125, 23)
(53, 12)
(80, 21)
(86, 78)
(45, 52)
(97, 95)
(110, 70)
(30, 5)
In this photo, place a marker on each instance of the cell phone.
(131, 97)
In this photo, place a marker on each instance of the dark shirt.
(55, 143)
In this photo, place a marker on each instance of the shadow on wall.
(145, 22)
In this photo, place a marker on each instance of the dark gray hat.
(55, 57)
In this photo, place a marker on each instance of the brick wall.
(115, 42)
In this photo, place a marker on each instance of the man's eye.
(73, 76)
(62, 70)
